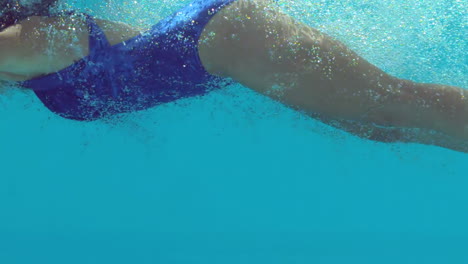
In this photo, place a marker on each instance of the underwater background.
(234, 177)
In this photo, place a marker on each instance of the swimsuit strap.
(97, 39)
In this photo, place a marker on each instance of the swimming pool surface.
(233, 177)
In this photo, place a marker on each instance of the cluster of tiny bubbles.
(28, 2)
(421, 40)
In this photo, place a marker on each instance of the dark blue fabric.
(158, 66)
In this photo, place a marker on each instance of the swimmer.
(84, 68)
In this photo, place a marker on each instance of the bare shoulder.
(41, 45)
(67, 27)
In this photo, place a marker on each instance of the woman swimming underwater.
(84, 69)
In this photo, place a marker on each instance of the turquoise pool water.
(233, 177)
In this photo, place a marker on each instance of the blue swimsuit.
(161, 65)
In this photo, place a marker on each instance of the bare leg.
(258, 46)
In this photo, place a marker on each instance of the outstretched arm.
(268, 51)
